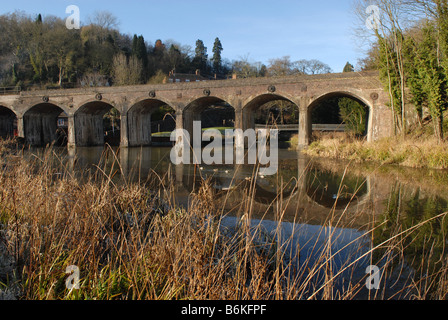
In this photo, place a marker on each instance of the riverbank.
(413, 152)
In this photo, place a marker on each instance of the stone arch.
(265, 97)
(194, 109)
(89, 122)
(140, 120)
(8, 122)
(352, 94)
(254, 103)
(41, 124)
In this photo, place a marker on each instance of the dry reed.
(409, 151)
(131, 242)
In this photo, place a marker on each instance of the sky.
(258, 30)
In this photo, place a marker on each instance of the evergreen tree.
(349, 67)
(140, 51)
(217, 59)
(134, 45)
(201, 57)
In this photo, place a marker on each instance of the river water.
(309, 207)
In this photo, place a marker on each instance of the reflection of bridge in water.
(297, 197)
(301, 189)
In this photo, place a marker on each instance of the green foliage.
(45, 53)
(327, 112)
(390, 76)
(354, 115)
(427, 78)
(416, 59)
(162, 112)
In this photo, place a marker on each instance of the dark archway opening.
(150, 122)
(97, 123)
(8, 123)
(212, 112)
(42, 126)
(276, 112)
(340, 114)
(220, 115)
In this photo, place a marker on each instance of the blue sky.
(257, 29)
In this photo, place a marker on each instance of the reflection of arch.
(41, 124)
(357, 96)
(8, 121)
(89, 123)
(239, 185)
(264, 196)
(139, 120)
(324, 188)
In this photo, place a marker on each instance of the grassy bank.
(130, 241)
(409, 151)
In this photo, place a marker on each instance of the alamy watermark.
(374, 278)
(73, 280)
(260, 142)
(373, 20)
(74, 20)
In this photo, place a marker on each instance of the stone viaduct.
(37, 111)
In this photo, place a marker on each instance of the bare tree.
(312, 67)
(105, 19)
(244, 68)
(127, 71)
(93, 79)
(281, 67)
(383, 21)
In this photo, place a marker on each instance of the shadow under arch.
(140, 120)
(195, 109)
(8, 122)
(272, 109)
(41, 125)
(262, 99)
(318, 101)
(89, 123)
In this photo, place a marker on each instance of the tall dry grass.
(409, 151)
(131, 242)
